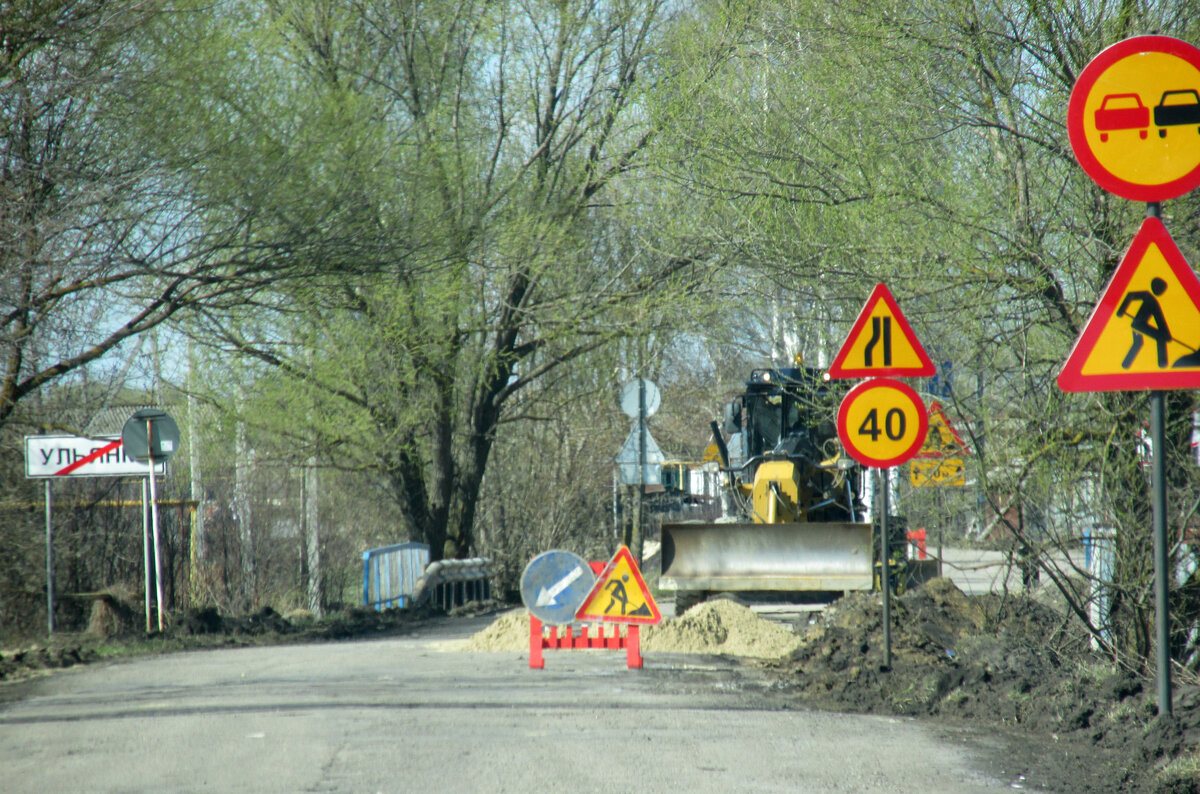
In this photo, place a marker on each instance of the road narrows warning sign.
(1145, 330)
(620, 594)
(881, 342)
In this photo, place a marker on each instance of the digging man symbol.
(1148, 321)
(620, 596)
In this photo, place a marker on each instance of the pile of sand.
(509, 632)
(720, 627)
(715, 627)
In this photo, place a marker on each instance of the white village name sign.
(80, 456)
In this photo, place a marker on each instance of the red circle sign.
(1134, 118)
(882, 423)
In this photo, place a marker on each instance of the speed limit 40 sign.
(882, 423)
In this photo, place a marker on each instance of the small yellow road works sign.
(620, 594)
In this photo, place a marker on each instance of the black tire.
(686, 599)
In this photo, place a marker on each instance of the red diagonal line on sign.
(85, 461)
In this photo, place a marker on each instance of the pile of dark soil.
(1081, 723)
(209, 620)
(22, 662)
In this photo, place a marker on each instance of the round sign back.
(1134, 118)
(643, 389)
(150, 430)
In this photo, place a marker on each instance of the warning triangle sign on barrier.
(1145, 330)
(942, 439)
(620, 594)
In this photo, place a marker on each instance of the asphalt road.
(398, 715)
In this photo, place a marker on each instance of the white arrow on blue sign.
(554, 585)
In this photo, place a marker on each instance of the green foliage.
(425, 243)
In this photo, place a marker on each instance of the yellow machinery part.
(775, 494)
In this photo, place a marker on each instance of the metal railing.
(402, 576)
(450, 583)
(390, 574)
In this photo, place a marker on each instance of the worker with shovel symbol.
(1149, 321)
(620, 596)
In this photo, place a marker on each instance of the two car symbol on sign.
(1126, 112)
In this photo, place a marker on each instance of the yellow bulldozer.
(793, 527)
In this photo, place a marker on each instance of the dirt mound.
(117, 631)
(716, 627)
(508, 632)
(720, 627)
(1007, 661)
(115, 611)
(20, 663)
(266, 622)
(952, 642)
(203, 620)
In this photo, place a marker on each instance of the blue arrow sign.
(554, 585)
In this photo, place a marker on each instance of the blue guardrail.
(390, 573)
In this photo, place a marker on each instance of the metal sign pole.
(638, 529)
(146, 546)
(1159, 504)
(885, 585)
(154, 523)
(49, 563)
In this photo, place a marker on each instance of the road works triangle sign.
(942, 439)
(881, 343)
(620, 594)
(1145, 331)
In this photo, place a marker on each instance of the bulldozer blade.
(816, 556)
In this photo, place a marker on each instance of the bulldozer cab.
(782, 408)
(784, 414)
